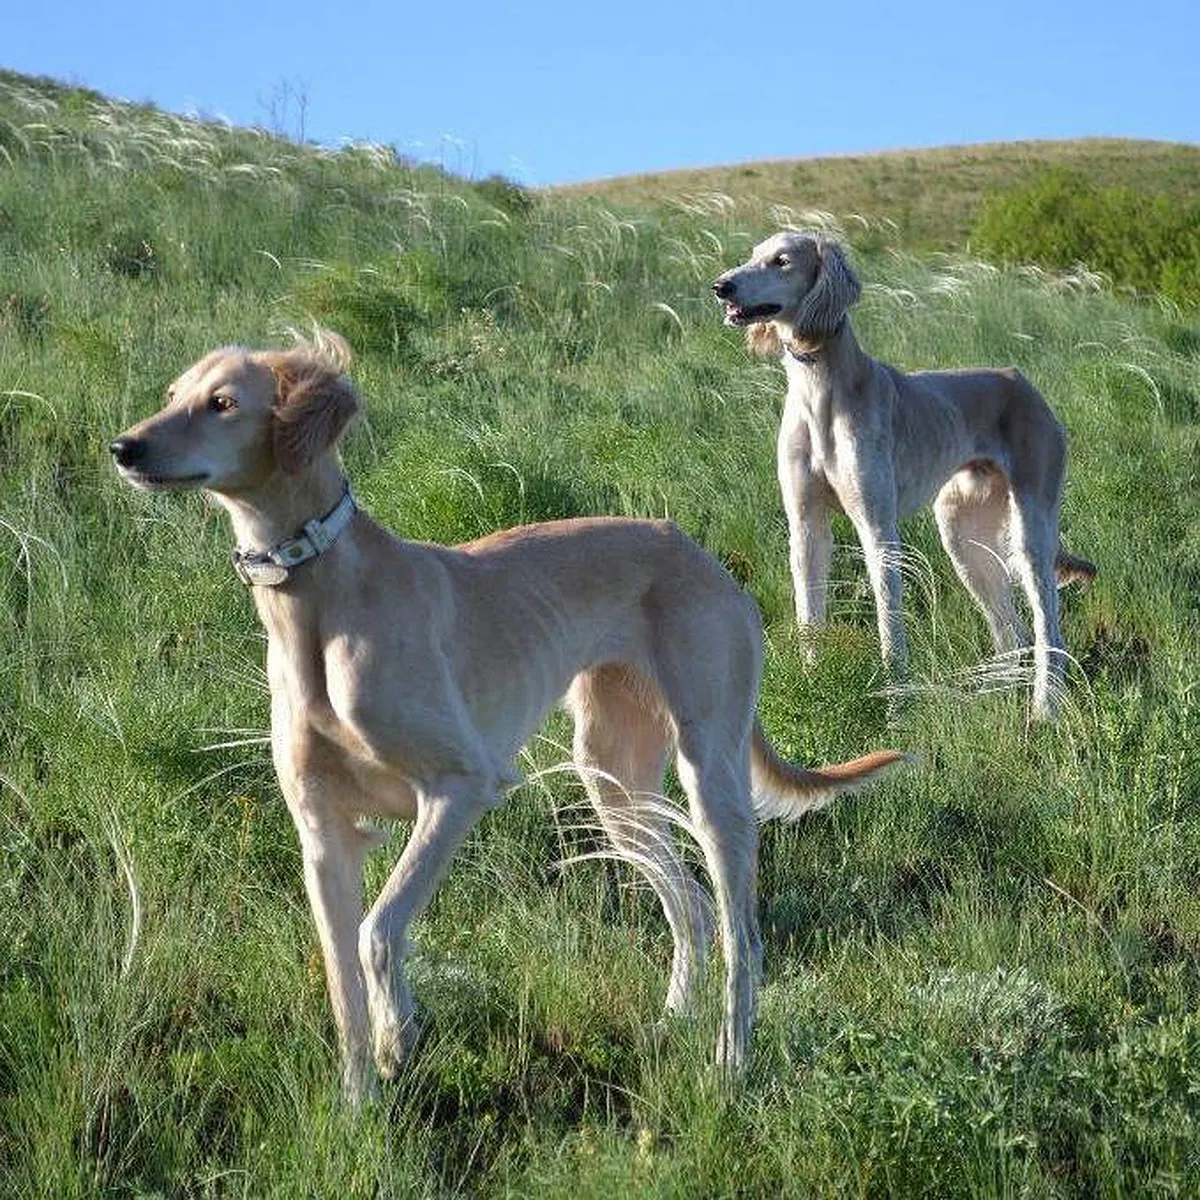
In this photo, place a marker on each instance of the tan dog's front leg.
(446, 812)
(317, 791)
(333, 859)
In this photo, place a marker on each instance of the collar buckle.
(270, 568)
(256, 571)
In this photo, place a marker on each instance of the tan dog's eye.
(221, 403)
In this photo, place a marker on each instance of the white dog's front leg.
(807, 503)
(882, 551)
(810, 552)
(446, 813)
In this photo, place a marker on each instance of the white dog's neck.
(813, 363)
(263, 517)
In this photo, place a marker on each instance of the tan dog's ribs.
(405, 677)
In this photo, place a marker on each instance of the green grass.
(982, 975)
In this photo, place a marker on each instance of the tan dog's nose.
(127, 451)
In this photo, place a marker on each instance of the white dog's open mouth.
(736, 314)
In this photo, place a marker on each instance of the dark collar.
(810, 356)
(270, 568)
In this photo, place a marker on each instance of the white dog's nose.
(723, 287)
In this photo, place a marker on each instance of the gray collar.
(269, 568)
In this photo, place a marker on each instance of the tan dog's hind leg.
(716, 777)
(621, 742)
(709, 661)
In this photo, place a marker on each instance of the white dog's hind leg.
(1034, 546)
(973, 524)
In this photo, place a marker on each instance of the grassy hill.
(930, 199)
(981, 977)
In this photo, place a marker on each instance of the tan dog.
(859, 436)
(405, 677)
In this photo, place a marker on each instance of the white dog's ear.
(314, 404)
(763, 339)
(833, 291)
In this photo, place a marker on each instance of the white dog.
(406, 676)
(859, 436)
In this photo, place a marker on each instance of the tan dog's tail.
(786, 791)
(1069, 569)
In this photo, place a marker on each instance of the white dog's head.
(797, 285)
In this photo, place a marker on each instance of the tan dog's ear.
(763, 339)
(314, 402)
(833, 291)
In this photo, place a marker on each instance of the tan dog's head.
(796, 284)
(237, 416)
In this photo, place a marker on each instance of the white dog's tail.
(784, 790)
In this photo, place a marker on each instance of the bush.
(1139, 240)
(505, 195)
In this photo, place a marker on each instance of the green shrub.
(131, 254)
(506, 195)
(27, 313)
(1139, 240)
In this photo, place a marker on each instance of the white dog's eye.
(221, 403)
(781, 260)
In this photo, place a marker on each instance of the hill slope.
(932, 196)
(982, 977)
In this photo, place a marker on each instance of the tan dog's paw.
(394, 1045)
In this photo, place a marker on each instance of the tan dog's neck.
(266, 515)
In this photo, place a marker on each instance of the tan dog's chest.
(313, 730)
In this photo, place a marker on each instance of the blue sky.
(552, 93)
